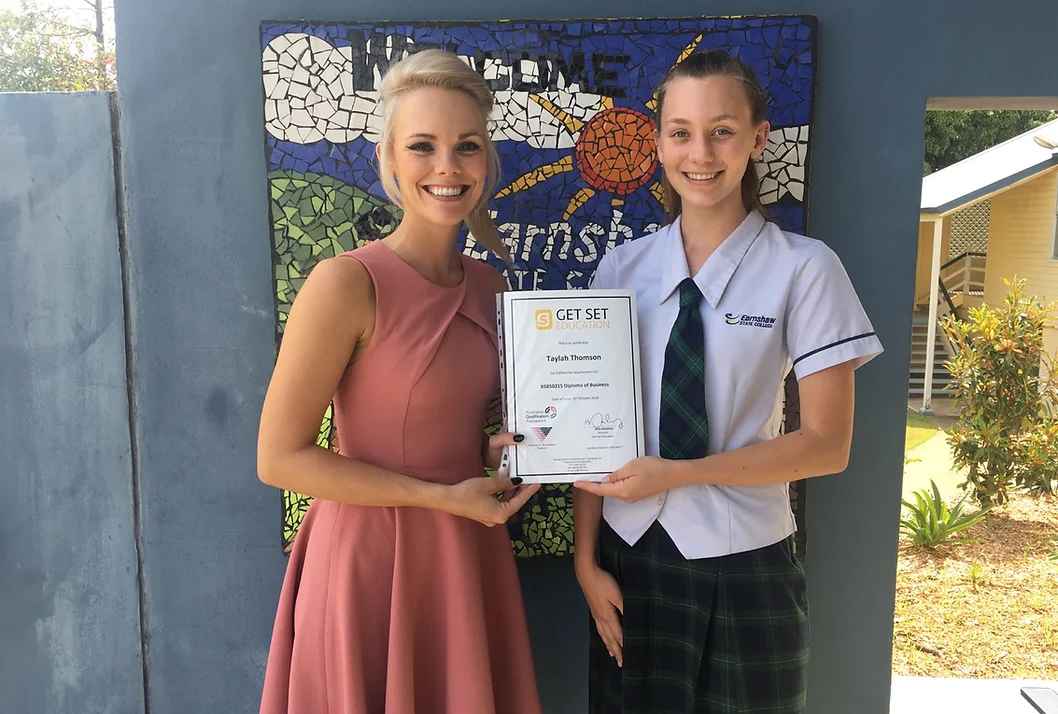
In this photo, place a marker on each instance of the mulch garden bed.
(984, 605)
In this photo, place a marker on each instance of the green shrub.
(1038, 472)
(929, 521)
(1005, 432)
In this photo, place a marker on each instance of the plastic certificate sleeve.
(569, 362)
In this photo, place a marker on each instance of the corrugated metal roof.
(991, 170)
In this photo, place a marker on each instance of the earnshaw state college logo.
(762, 321)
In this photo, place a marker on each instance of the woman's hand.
(489, 501)
(639, 478)
(605, 602)
(496, 444)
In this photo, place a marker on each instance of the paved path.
(929, 695)
(932, 460)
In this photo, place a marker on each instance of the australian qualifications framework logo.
(546, 415)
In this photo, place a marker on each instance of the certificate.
(569, 373)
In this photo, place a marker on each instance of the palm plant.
(929, 521)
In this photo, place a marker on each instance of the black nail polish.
(519, 438)
(516, 480)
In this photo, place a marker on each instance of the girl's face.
(706, 139)
(439, 155)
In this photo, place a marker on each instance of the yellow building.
(989, 217)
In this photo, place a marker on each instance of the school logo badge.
(544, 319)
(763, 321)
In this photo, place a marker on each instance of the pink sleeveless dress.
(407, 610)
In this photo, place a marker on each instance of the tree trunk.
(101, 48)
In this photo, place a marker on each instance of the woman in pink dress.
(400, 596)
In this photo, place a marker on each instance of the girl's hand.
(605, 602)
(495, 446)
(640, 478)
(489, 501)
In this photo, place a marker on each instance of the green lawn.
(919, 430)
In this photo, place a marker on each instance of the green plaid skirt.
(704, 636)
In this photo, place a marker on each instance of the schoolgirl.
(685, 555)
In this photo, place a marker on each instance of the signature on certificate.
(604, 422)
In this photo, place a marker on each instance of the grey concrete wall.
(70, 613)
(202, 313)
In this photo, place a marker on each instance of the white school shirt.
(772, 300)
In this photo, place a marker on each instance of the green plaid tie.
(684, 425)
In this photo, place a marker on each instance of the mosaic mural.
(573, 125)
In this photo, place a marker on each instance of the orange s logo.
(543, 319)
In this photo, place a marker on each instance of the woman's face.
(706, 139)
(438, 154)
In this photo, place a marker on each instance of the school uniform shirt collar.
(712, 278)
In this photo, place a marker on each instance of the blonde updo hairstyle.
(443, 70)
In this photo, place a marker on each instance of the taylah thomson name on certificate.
(569, 362)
